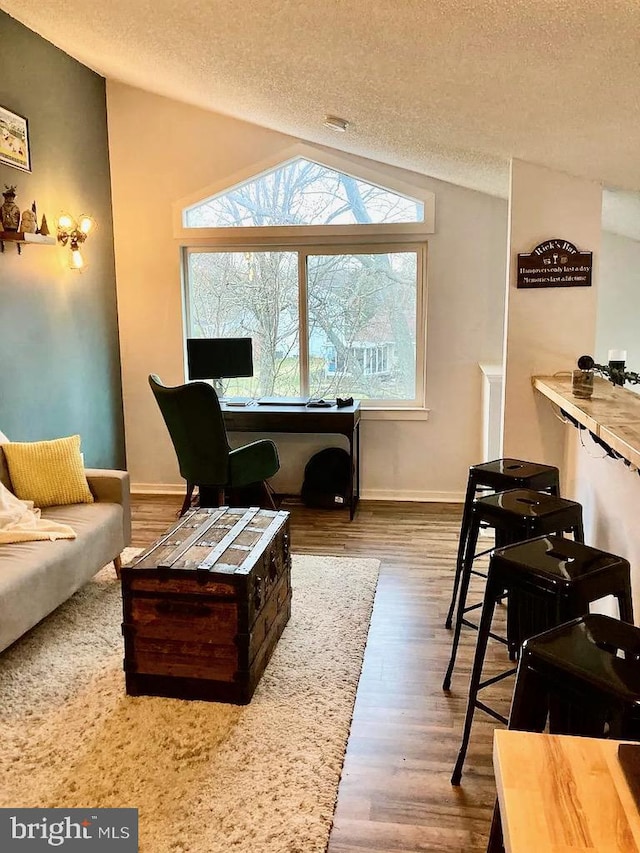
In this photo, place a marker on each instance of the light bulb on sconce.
(77, 261)
(74, 233)
(86, 224)
(65, 222)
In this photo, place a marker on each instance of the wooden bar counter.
(612, 413)
(561, 794)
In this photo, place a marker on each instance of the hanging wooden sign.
(555, 263)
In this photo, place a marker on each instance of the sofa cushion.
(49, 473)
(36, 577)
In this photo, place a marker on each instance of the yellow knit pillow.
(49, 473)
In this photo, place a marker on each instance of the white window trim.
(291, 236)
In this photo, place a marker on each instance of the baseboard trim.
(366, 494)
(422, 496)
(158, 488)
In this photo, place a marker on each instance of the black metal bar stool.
(584, 676)
(500, 475)
(551, 580)
(516, 515)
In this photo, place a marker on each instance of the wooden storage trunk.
(204, 606)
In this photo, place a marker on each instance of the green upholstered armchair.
(194, 419)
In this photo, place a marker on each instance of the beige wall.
(163, 151)
(609, 492)
(547, 329)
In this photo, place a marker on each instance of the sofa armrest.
(112, 487)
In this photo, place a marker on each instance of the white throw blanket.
(21, 522)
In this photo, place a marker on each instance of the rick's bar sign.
(555, 263)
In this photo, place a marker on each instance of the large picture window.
(345, 318)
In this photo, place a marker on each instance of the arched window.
(324, 271)
(302, 192)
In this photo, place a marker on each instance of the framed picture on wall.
(14, 140)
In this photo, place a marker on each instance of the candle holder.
(582, 383)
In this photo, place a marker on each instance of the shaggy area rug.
(206, 777)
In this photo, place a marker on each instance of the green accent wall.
(59, 351)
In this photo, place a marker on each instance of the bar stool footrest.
(499, 717)
(493, 636)
(497, 678)
(482, 553)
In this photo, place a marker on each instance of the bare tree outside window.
(362, 313)
(250, 294)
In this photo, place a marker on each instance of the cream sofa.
(36, 577)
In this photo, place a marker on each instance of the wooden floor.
(395, 793)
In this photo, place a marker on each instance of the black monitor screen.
(219, 358)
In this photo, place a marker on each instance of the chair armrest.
(112, 486)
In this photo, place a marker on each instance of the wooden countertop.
(561, 794)
(612, 413)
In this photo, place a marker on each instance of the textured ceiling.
(450, 88)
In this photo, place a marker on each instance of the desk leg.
(355, 470)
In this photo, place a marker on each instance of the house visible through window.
(327, 319)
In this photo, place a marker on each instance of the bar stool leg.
(467, 565)
(476, 674)
(625, 606)
(496, 842)
(464, 532)
(530, 703)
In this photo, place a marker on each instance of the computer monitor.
(219, 358)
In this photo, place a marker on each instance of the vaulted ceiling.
(449, 88)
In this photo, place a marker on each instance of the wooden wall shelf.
(20, 237)
(612, 413)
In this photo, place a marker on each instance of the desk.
(300, 419)
(561, 794)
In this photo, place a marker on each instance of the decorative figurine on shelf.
(10, 212)
(29, 223)
(44, 228)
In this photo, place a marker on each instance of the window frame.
(322, 239)
(304, 250)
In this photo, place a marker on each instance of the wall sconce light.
(74, 233)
